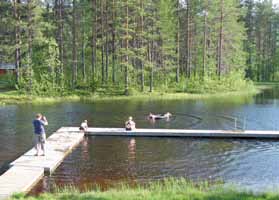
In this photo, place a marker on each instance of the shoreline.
(13, 97)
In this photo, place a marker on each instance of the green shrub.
(8, 81)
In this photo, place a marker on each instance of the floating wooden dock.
(28, 169)
(179, 133)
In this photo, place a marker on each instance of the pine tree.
(74, 47)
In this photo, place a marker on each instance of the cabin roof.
(8, 66)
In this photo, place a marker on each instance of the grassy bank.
(168, 190)
(266, 85)
(14, 97)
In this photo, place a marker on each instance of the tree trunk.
(30, 39)
(249, 22)
(220, 46)
(102, 41)
(178, 44)
(61, 40)
(107, 42)
(83, 46)
(141, 44)
(151, 70)
(94, 40)
(17, 38)
(188, 59)
(113, 42)
(204, 39)
(127, 48)
(74, 65)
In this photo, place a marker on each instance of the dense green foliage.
(168, 190)
(138, 45)
(13, 97)
(261, 43)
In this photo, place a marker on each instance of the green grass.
(266, 85)
(170, 189)
(14, 97)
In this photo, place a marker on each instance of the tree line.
(142, 45)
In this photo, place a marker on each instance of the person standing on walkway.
(40, 135)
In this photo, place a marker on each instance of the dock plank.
(19, 179)
(58, 145)
(28, 169)
(31, 168)
(260, 134)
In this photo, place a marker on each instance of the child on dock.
(83, 127)
(39, 124)
(130, 124)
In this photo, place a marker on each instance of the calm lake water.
(108, 161)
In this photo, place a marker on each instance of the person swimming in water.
(167, 115)
(159, 116)
(151, 116)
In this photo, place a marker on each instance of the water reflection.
(132, 167)
(114, 160)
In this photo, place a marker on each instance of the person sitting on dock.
(40, 135)
(130, 124)
(83, 127)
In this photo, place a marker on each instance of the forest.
(136, 46)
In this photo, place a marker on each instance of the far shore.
(13, 97)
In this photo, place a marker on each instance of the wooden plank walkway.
(28, 169)
(260, 134)
(19, 179)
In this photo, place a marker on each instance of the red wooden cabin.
(6, 67)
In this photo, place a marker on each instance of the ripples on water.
(107, 161)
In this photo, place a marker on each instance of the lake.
(108, 161)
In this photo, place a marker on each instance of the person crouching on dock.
(130, 124)
(40, 135)
(83, 127)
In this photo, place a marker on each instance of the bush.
(8, 81)
(196, 84)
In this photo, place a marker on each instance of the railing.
(243, 124)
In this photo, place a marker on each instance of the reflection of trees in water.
(85, 150)
(228, 101)
(267, 96)
(107, 161)
(69, 173)
(111, 160)
(132, 149)
(132, 168)
(191, 158)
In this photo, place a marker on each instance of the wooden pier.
(246, 134)
(28, 169)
